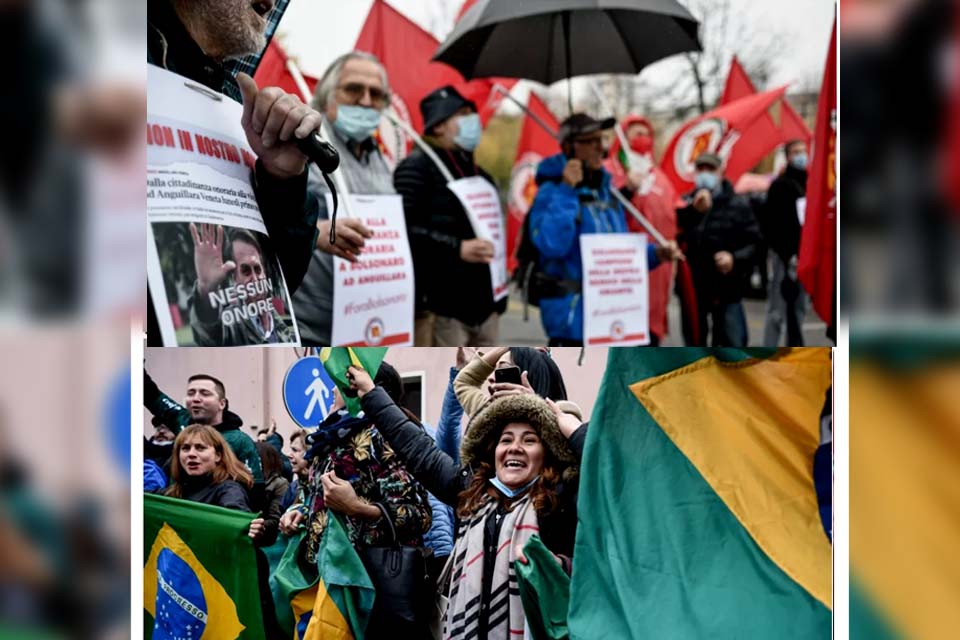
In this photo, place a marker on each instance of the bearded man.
(194, 38)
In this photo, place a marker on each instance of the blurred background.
(72, 243)
(899, 290)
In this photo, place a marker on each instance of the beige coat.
(468, 386)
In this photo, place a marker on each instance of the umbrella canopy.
(551, 40)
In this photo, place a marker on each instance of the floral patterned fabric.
(379, 477)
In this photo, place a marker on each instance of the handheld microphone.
(320, 152)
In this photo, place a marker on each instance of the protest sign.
(615, 289)
(480, 201)
(213, 273)
(373, 297)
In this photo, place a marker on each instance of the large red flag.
(405, 50)
(739, 85)
(534, 145)
(725, 131)
(818, 245)
(272, 71)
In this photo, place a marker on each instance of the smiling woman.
(518, 475)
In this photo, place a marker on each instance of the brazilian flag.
(702, 519)
(344, 591)
(904, 483)
(331, 603)
(336, 360)
(294, 590)
(200, 572)
(544, 591)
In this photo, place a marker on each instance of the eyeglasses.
(596, 141)
(356, 90)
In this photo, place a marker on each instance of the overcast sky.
(318, 30)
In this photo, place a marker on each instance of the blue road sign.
(308, 392)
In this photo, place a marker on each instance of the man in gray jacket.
(351, 95)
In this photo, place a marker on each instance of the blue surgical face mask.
(469, 136)
(799, 161)
(355, 122)
(507, 491)
(706, 180)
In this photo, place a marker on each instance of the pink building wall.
(254, 377)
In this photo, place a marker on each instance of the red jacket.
(659, 207)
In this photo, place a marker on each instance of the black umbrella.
(551, 40)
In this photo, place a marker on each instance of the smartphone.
(507, 374)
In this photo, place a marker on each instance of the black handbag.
(399, 574)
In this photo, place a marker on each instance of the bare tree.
(725, 32)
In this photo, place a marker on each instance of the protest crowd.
(446, 496)
(705, 238)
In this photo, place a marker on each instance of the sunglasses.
(595, 141)
(356, 90)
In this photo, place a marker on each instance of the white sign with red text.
(616, 300)
(373, 298)
(482, 204)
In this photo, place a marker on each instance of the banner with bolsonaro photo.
(213, 274)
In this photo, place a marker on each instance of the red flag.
(466, 7)
(818, 245)
(534, 145)
(405, 50)
(726, 131)
(657, 200)
(272, 71)
(739, 85)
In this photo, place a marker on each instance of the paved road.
(514, 331)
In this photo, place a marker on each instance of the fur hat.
(529, 409)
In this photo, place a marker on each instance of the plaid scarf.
(505, 615)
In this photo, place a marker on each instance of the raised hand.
(208, 257)
(502, 389)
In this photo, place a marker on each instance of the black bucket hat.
(440, 104)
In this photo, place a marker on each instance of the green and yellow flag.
(544, 592)
(336, 360)
(345, 593)
(904, 483)
(293, 590)
(702, 519)
(200, 572)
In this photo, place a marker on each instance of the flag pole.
(337, 176)
(543, 125)
(646, 224)
(397, 122)
(621, 136)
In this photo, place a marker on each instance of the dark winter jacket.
(174, 414)
(559, 216)
(228, 494)
(729, 225)
(436, 225)
(440, 537)
(779, 223)
(446, 478)
(275, 490)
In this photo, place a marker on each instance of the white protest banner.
(615, 289)
(482, 204)
(202, 215)
(373, 297)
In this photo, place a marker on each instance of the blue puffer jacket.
(558, 216)
(447, 436)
